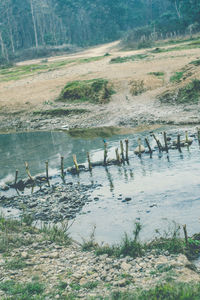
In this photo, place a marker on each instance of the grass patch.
(58, 235)
(196, 63)
(22, 291)
(137, 87)
(59, 112)
(95, 91)
(90, 285)
(157, 74)
(169, 241)
(188, 94)
(18, 72)
(177, 77)
(119, 59)
(15, 264)
(90, 133)
(168, 291)
(188, 46)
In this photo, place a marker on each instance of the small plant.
(89, 244)
(90, 285)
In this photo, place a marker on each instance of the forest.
(38, 28)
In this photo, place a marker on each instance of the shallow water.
(162, 189)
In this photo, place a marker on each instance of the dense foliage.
(41, 24)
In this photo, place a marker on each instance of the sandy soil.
(19, 98)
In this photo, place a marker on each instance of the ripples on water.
(161, 188)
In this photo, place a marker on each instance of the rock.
(126, 267)
(54, 255)
(24, 255)
(82, 281)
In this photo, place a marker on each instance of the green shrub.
(177, 77)
(95, 90)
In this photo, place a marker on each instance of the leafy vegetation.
(95, 91)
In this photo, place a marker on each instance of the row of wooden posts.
(120, 157)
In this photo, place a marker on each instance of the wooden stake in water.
(126, 142)
(165, 139)
(105, 153)
(62, 167)
(179, 142)
(75, 163)
(122, 150)
(198, 135)
(185, 234)
(28, 172)
(47, 172)
(117, 155)
(89, 161)
(16, 176)
(158, 143)
(148, 145)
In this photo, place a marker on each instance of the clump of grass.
(119, 59)
(95, 91)
(195, 62)
(15, 264)
(177, 77)
(188, 94)
(59, 112)
(21, 290)
(168, 291)
(137, 87)
(90, 285)
(56, 234)
(90, 133)
(170, 241)
(157, 74)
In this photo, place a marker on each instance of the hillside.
(137, 78)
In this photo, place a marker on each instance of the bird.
(140, 148)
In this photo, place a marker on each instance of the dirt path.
(19, 98)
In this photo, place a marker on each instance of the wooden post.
(89, 161)
(105, 153)
(148, 145)
(47, 172)
(75, 163)
(198, 135)
(28, 172)
(126, 142)
(165, 139)
(62, 167)
(122, 150)
(16, 176)
(117, 155)
(139, 145)
(158, 143)
(179, 142)
(185, 234)
(186, 137)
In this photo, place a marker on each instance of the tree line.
(49, 24)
